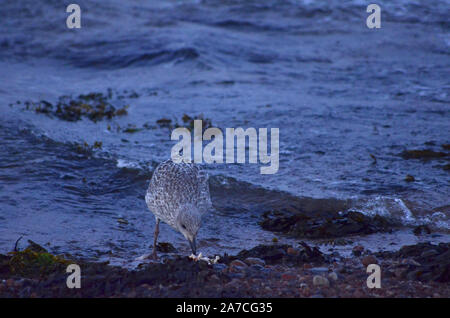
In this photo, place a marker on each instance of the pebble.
(237, 266)
(238, 263)
(410, 262)
(220, 267)
(333, 276)
(429, 253)
(321, 281)
(254, 261)
(369, 259)
(287, 276)
(10, 283)
(357, 250)
(293, 251)
(409, 178)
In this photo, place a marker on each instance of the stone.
(428, 253)
(307, 266)
(369, 259)
(254, 261)
(293, 251)
(287, 276)
(357, 250)
(321, 281)
(333, 276)
(237, 263)
(409, 178)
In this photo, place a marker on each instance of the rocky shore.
(277, 270)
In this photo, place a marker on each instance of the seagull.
(178, 194)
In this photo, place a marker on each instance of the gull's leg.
(154, 256)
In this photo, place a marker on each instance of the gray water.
(338, 91)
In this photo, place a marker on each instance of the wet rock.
(422, 229)
(422, 154)
(434, 260)
(429, 253)
(165, 247)
(332, 225)
(369, 259)
(333, 276)
(357, 250)
(254, 261)
(164, 122)
(219, 267)
(277, 254)
(320, 281)
(288, 276)
(409, 178)
(293, 251)
(237, 264)
(410, 262)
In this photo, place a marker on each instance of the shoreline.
(277, 270)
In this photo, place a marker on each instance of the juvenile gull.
(178, 195)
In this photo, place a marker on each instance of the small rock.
(237, 263)
(409, 178)
(165, 247)
(430, 252)
(421, 229)
(369, 259)
(214, 278)
(293, 251)
(357, 250)
(254, 261)
(410, 262)
(307, 266)
(10, 283)
(287, 276)
(321, 281)
(220, 267)
(333, 276)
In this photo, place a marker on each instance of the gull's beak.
(193, 244)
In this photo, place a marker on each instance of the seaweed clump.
(186, 122)
(327, 226)
(284, 254)
(423, 154)
(33, 261)
(94, 106)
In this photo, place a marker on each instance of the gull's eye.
(183, 226)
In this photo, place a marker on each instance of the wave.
(122, 60)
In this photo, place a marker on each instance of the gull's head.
(188, 223)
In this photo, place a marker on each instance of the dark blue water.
(338, 91)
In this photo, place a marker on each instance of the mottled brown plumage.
(178, 195)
